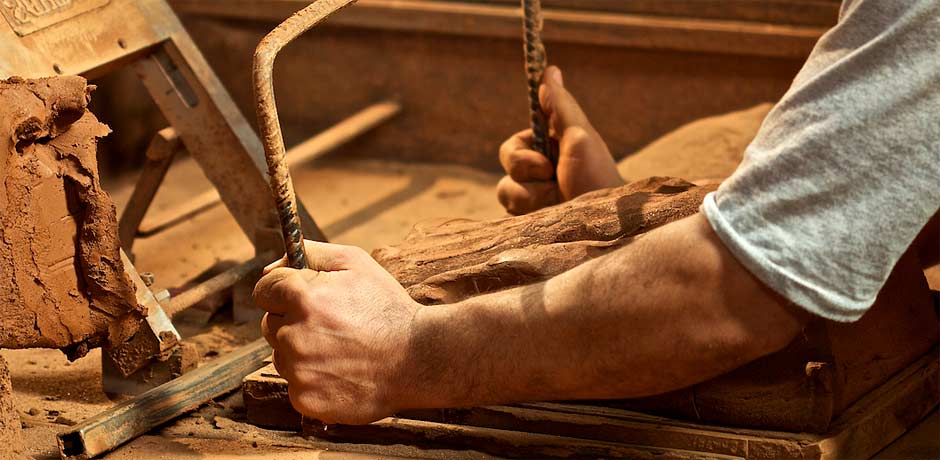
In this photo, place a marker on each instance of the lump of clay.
(450, 261)
(62, 283)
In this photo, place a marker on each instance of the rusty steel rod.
(115, 426)
(535, 59)
(321, 144)
(266, 108)
(225, 280)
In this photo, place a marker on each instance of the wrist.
(424, 380)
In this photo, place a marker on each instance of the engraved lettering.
(27, 16)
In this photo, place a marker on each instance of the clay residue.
(62, 283)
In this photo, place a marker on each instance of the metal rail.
(129, 419)
(266, 108)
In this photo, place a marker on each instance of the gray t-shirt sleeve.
(845, 170)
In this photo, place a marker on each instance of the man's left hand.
(341, 332)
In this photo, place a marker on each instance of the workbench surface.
(363, 202)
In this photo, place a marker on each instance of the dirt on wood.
(62, 283)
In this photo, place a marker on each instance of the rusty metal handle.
(534, 68)
(266, 108)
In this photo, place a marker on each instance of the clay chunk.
(62, 282)
(441, 262)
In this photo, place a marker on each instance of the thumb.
(560, 107)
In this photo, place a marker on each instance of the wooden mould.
(570, 430)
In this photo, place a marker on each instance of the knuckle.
(504, 191)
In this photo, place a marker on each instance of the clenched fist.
(584, 162)
(341, 332)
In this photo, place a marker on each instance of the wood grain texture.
(577, 431)
(561, 25)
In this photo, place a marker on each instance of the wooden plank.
(504, 443)
(864, 429)
(561, 26)
(886, 413)
(796, 12)
(159, 157)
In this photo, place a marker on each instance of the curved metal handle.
(266, 109)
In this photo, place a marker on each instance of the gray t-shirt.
(845, 170)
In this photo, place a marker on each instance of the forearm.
(671, 309)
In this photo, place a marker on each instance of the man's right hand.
(584, 162)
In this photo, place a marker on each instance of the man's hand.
(340, 332)
(584, 162)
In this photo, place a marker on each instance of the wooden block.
(184, 359)
(266, 400)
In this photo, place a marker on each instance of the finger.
(529, 166)
(270, 324)
(281, 289)
(520, 198)
(561, 108)
(333, 257)
(519, 141)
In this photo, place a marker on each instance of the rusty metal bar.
(222, 281)
(121, 423)
(534, 68)
(266, 108)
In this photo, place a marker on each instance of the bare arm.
(670, 310)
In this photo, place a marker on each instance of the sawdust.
(709, 148)
(62, 283)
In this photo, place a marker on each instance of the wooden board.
(561, 25)
(562, 430)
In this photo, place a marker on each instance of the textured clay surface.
(456, 259)
(62, 283)
(10, 436)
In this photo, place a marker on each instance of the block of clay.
(267, 403)
(62, 283)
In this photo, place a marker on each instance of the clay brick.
(267, 402)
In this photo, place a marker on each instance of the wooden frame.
(864, 429)
(147, 34)
(622, 28)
